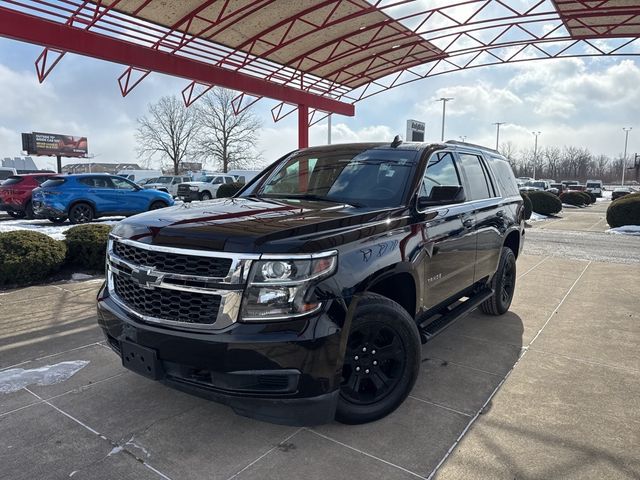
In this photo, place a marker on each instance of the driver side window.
(441, 171)
(122, 184)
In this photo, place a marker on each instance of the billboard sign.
(415, 131)
(38, 143)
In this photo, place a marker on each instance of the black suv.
(306, 296)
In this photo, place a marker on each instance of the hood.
(258, 225)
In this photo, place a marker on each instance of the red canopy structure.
(316, 56)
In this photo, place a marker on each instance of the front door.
(449, 235)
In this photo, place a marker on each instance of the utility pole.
(444, 101)
(535, 153)
(329, 129)
(624, 157)
(497, 124)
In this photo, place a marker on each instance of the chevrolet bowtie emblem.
(146, 277)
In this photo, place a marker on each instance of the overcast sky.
(583, 102)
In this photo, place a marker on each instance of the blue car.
(81, 198)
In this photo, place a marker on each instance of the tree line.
(209, 132)
(566, 163)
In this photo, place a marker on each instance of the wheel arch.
(512, 241)
(397, 285)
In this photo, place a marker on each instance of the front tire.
(205, 196)
(503, 285)
(382, 361)
(157, 205)
(81, 213)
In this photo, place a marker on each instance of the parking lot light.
(624, 157)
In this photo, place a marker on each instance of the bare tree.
(168, 131)
(509, 151)
(226, 138)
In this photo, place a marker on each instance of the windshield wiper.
(310, 196)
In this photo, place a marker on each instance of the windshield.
(164, 180)
(370, 178)
(593, 185)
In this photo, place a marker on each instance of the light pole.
(444, 101)
(535, 153)
(624, 157)
(329, 129)
(497, 124)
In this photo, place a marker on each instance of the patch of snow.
(73, 473)
(537, 217)
(15, 379)
(76, 277)
(133, 444)
(45, 226)
(115, 450)
(625, 230)
(566, 205)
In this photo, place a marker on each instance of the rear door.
(489, 213)
(99, 190)
(448, 235)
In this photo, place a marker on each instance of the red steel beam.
(27, 28)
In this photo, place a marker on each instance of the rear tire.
(13, 214)
(157, 205)
(382, 361)
(81, 213)
(503, 285)
(205, 196)
(28, 211)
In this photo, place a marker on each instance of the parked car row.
(595, 187)
(84, 197)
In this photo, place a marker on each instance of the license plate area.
(141, 360)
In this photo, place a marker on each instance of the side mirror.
(442, 195)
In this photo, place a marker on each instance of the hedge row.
(544, 203)
(624, 211)
(575, 198)
(28, 257)
(528, 206)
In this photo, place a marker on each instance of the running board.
(430, 328)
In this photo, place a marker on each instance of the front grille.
(165, 304)
(173, 262)
(183, 190)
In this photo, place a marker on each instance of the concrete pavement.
(549, 390)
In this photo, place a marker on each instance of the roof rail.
(466, 144)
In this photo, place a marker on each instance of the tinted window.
(4, 174)
(54, 182)
(96, 182)
(505, 179)
(370, 178)
(474, 172)
(441, 171)
(12, 181)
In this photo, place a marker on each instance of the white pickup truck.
(205, 188)
(168, 183)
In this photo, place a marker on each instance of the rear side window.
(41, 180)
(441, 171)
(476, 177)
(54, 182)
(96, 182)
(12, 181)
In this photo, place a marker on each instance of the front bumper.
(287, 372)
(189, 196)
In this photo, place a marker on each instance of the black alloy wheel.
(503, 285)
(381, 363)
(374, 363)
(80, 213)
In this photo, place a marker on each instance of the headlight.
(278, 287)
(193, 188)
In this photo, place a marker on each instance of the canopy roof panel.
(350, 42)
(326, 54)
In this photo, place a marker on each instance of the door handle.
(500, 213)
